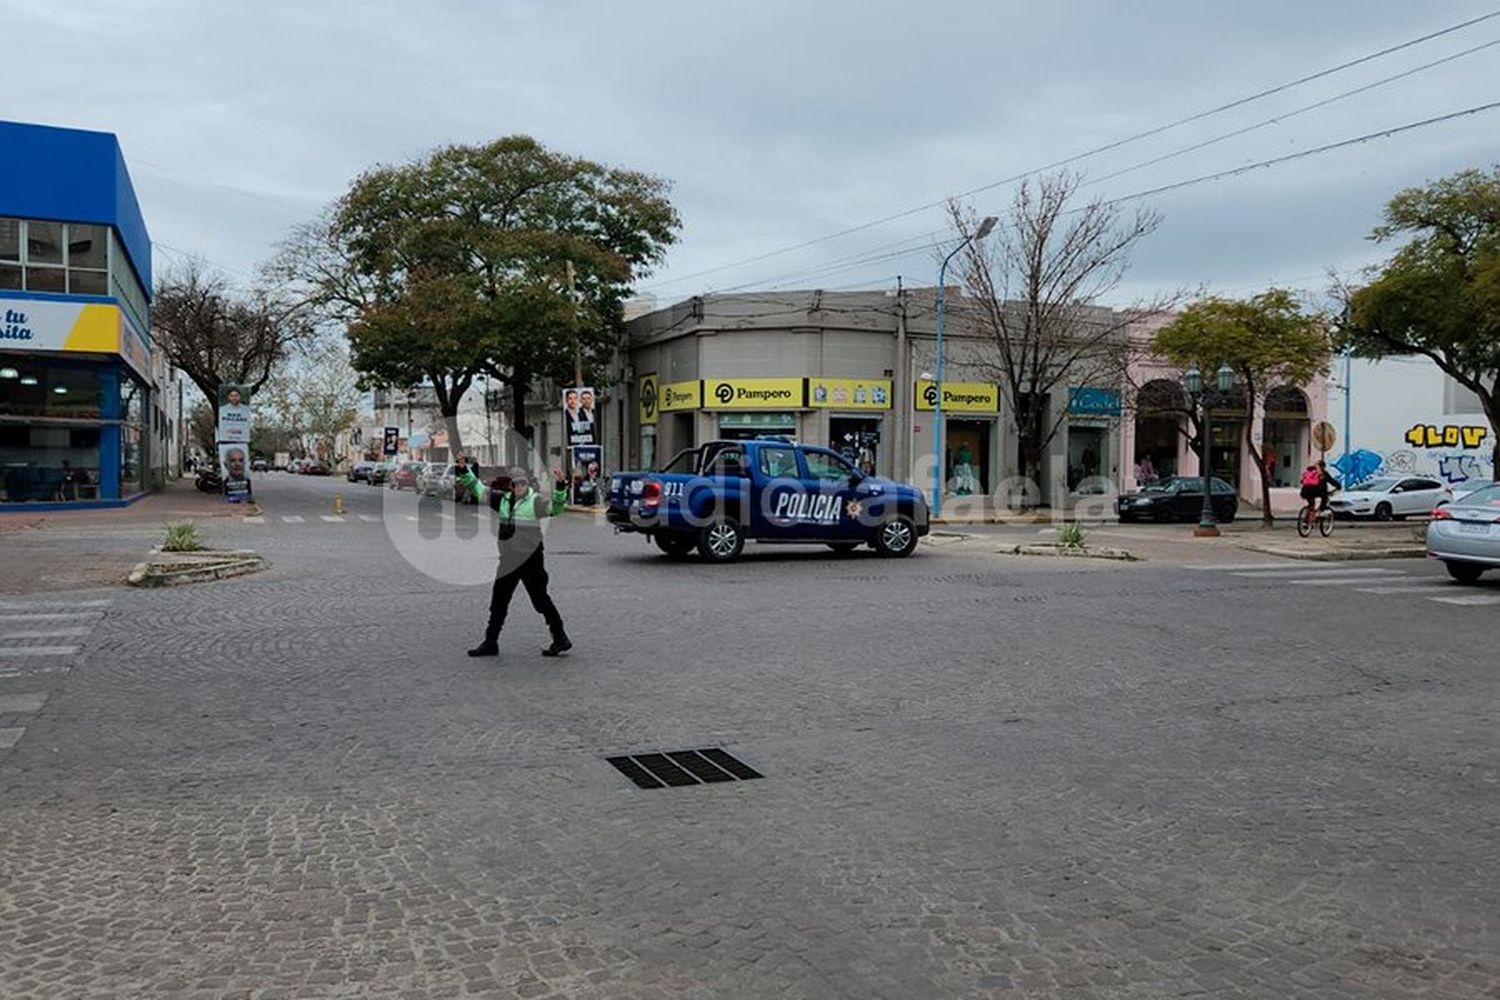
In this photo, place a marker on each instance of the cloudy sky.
(778, 123)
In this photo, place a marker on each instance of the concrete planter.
(1067, 552)
(167, 569)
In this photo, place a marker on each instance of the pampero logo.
(648, 397)
(929, 395)
(724, 393)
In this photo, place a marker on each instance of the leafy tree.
(1438, 295)
(458, 265)
(1268, 340)
(1034, 290)
(313, 400)
(216, 335)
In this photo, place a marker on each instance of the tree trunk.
(1267, 519)
(455, 443)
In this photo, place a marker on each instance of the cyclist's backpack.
(1312, 477)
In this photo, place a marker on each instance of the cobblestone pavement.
(985, 777)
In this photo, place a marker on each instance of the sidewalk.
(178, 501)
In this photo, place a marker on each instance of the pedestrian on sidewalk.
(522, 559)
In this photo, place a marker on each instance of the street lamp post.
(937, 415)
(1192, 380)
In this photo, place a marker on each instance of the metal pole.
(1348, 373)
(1207, 526)
(937, 417)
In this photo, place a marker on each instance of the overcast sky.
(777, 122)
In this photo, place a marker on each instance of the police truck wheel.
(896, 537)
(722, 540)
(673, 546)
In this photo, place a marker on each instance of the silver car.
(1465, 534)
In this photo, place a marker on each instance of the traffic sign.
(1324, 435)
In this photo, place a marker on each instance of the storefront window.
(857, 439)
(48, 463)
(1088, 459)
(967, 444)
(49, 391)
(132, 407)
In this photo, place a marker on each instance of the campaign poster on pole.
(587, 462)
(578, 412)
(234, 413)
(234, 466)
(392, 442)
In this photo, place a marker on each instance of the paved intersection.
(984, 777)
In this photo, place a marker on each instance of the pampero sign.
(959, 397)
(753, 393)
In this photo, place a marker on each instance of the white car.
(1464, 488)
(1390, 497)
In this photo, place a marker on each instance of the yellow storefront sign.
(959, 397)
(680, 396)
(753, 393)
(849, 393)
(649, 398)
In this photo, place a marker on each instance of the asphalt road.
(983, 775)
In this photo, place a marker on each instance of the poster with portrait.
(234, 413)
(578, 415)
(234, 466)
(587, 463)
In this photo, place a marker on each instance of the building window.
(44, 242)
(46, 279)
(66, 258)
(10, 240)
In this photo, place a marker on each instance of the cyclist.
(1317, 484)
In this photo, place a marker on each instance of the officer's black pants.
(533, 575)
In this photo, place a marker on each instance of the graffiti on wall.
(1454, 453)
(1448, 436)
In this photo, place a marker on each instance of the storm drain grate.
(678, 768)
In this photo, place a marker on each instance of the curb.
(212, 565)
(1119, 555)
(1343, 555)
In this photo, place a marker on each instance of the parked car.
(1177, 498)
(1465, 534)
(430, 479)
(1463, 489)
(1391, 497)
(314, 467)
(404, 477)
(359, 472)
(260, 465)
(380, 473)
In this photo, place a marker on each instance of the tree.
(203, 428)
(1034, 289)
(1438, 296)
(457, 265)
(314, 400)
(215, 335)
(1268, 340)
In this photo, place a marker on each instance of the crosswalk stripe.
(10, 737)
(38, 650)
(292, 518)
(16, 704)
(1322, 571)
(11, 673)
(1230, 567)
(1468, 600)
(1345, 581)
(47, 633)
(410, 517)
(255, 520)
(332, 518)
(370, 518)
(24, 605)
(1411, 588)
(50, 616)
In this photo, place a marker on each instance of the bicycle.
(1323, 516)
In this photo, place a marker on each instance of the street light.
(1192, 381)
(937, 416)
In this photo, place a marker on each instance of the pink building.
(1155, 432)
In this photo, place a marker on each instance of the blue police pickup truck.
(716, 497)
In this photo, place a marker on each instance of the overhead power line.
(1116, 144)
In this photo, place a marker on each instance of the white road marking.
(292, 518)
(255, 519)
(332, 518)
(38, 650)
(370, 518)
(1229, 567)
(1468, 600)
(410, 517)
(15, 704)
(10, 737)
(24, 605)
(1345, 581)
(49, 633)
(51, 616)
(12, 673)
(1323, 571)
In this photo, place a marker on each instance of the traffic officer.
(522, 562)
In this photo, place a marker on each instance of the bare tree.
(1035, 289)
(216, 335)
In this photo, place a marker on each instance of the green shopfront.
(74, 350)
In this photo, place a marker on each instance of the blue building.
(75, 297)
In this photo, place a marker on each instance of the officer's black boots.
(560, 645)
(488, 647)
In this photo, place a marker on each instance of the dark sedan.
(1179, 498)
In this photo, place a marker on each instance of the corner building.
(78, 417)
